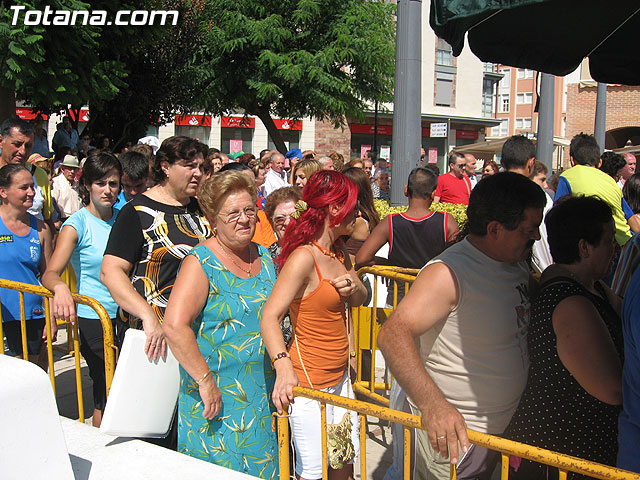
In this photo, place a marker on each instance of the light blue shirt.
(120, 201)
(86, 259)
(41, 146)
(62, 138)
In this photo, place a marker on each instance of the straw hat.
(70, 161)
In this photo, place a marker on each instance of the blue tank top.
(19, 260)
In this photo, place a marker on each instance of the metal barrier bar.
(323, 429)
(23, 328)
(47, 319)
(367, 326)
(407, 453)
(363, 446)
(73, 337)
(565, 463)
(504, 474)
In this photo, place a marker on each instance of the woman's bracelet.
(204, 377)
(279, 356)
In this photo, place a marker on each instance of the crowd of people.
(245, 267)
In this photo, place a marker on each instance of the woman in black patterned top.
(151, 236)
(574, 390)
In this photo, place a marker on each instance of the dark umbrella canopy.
(551, 36)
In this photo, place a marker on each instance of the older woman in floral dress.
(212, 324)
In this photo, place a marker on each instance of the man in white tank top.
(469, 309)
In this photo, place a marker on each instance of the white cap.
(152, 141)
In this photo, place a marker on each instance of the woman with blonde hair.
(303, 171)
(212, 326)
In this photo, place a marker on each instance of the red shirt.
(452, 189)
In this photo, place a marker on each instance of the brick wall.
(328, 138)
(623, 108)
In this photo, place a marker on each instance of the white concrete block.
(32, 444)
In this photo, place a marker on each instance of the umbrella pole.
(601, 115)
(407, 128)
(544, 146)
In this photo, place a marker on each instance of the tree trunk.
(274, 133)
(7, 103)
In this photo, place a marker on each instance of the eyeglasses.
(234, 216)
(281, 220)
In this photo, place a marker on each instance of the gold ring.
(440, 437)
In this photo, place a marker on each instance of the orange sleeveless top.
(319, 322)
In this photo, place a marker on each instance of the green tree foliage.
(155, 87)
(52, 67)
(294, 58)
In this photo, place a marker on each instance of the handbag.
(340, 449)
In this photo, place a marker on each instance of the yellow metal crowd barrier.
(368, 320)
(564, 463)
(107, 331)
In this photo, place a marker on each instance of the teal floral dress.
(228, 334)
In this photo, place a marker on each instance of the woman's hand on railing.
(211, 397)
(62, 304)
(286, 380)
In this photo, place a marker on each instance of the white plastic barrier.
(32, 444)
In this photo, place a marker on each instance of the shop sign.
(288, 124)
(84, 115)
(27, 113)
(468, 134)
(193, 120)
(238, 122)
(369, 129)
(438, 130)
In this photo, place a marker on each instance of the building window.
(524, 98)
(524, 73)
(444, 53)
(291, 139)
(503, 103)
(200, 133)
(523, 124)
(501, 130)
(236, 139)
(488, 94)
(505, 83)
(444, 89)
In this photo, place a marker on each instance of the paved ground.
(378, 447)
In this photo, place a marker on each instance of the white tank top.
(38, 200)
(478, 356)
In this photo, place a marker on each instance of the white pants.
(304, 417)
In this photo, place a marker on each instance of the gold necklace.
(338, 256)
(248, 272)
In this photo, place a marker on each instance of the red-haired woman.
(317, 284)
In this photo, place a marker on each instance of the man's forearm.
(403, 359)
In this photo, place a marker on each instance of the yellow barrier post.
(407, 453)
(366, 325)
(504, 475)
(323, 430)
(73, 338)
(23, 327)
(281, 422)
(363, 446)
(47, 319)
